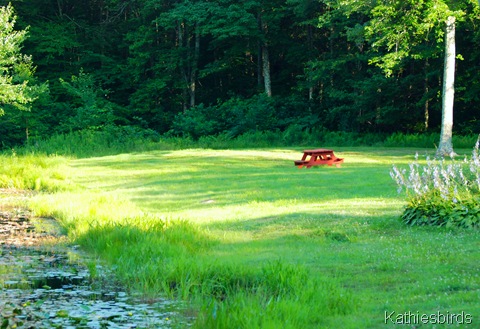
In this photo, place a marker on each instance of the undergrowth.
(114, 140)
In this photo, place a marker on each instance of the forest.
(198, 67)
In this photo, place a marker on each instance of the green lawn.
(334, 232)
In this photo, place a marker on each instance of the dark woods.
(196, 67)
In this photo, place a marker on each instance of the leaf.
(62, 314)
(85, 308)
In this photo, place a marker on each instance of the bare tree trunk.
(27, 131)
(181, 29)
(446, 147)
(264, 56)
(266, 71)
(189, 63)
(310, 50)
(60, 11)
(194, 68)
(259, 66)
(259, 56)
(427, 101)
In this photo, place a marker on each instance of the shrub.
(443, 192)
(234, 117)
(196, 122)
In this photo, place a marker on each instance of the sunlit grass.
(33, 172)
(208, 225)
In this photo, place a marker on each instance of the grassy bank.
(253, 242)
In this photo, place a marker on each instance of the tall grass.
(87, 143)
(277, 292)
(161, 256)
(31, 172)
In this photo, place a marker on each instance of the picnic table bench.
(318, 157)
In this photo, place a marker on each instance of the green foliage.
(234, 117)
(271, 297)
(138, 64)
(16, 69)
(33, 172)
(86, 143)
(90, 110)
(406, 26)
(426, 140)
(119, 139)
(442, 193)
(194, 122)
(432, 209)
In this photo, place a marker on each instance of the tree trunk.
(266, 71)
(27, 132)
(182, 64)
(265, 57)
(194, 67)
(446, 147)
(310, 51)
(427, 101)
(259, 67)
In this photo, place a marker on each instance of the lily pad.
(53, 288)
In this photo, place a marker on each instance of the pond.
(53, 285)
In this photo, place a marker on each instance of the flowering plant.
(442, 192)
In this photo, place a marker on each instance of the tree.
(90, 109)
(16, 69)
(402, 27)
(446, 147)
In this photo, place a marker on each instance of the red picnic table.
(318, 157)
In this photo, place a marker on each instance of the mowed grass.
(252, 241)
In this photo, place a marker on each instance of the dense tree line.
(199, 67)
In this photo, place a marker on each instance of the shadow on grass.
(291, 258)
(200, 185)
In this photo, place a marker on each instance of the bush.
(233, 117)
(443, 192)
(196, 122)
